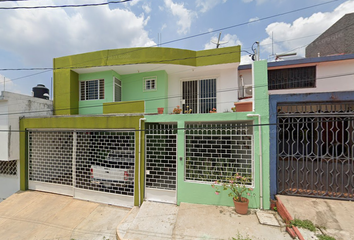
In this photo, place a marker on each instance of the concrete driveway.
(38, 215)
(335, 216)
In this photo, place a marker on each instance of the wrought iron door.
(315, 154)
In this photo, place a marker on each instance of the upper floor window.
(92, 89)
(301, 77)
(199, 95)
(117, 90)
(150, 83)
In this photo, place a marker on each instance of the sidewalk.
(38, 215)
(157, 221)
(335, 217)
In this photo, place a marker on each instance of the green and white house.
(107, 143)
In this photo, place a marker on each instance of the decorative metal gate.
(161, 168)
(86, 164)
(315, 155)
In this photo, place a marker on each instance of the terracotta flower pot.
(241, 207)
(160, 110)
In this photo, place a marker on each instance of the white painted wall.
(336, 76)
(226, 83)
(12, 107)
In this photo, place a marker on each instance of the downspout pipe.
(260, 158)
(139, 162)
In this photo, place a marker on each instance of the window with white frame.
(199, 95)
(92, 89)
(117, 90)
(150, 83)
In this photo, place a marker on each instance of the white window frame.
(199, 79)
(147, 79)
(115, 84)
(99, 90)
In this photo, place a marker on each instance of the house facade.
(107, 143)
(311, 106)
(13, 106)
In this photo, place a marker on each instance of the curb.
(285, 215)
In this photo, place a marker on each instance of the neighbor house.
(13, 106)
(311, 107)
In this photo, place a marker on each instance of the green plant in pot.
(238, 187)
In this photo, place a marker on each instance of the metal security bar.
(316, 150)
(8, 167)
(105, 161)
(161, 154)
(216, 151)
(101, 161)
(50, 157)
(199, 95)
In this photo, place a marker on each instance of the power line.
(162, 98)
(65, 6)
(217, 30)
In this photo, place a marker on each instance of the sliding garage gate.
(315, 155)
(90, 165)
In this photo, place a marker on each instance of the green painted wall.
(66, 87)
(133, 90)
(96, 106)
(82, 122)
(203, 193)
(124, 107)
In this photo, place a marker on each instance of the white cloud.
(253, 19)
(185, 16)
(297, 35)
(245, 59)
(163, 26)
(228, 39)
(40, 35)
(132, 3)
(206, 5)
(9, 85)
(146, 8)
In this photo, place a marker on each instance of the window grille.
(289, 78)
(8, 167)
(217, 151)
(199, 95)
(117, 90)
(92, 90)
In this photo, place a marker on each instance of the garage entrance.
(86, 164)
(315, 154)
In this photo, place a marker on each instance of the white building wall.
(226, 83)
(4, 126)
(335, 76)
(12, 107)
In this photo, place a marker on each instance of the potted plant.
(213, 110)
(237, 186)
(177, 110)
(188, 110)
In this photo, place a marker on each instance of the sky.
(31, 38)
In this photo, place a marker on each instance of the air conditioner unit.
(247, 91)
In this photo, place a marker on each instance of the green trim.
(124, 107)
